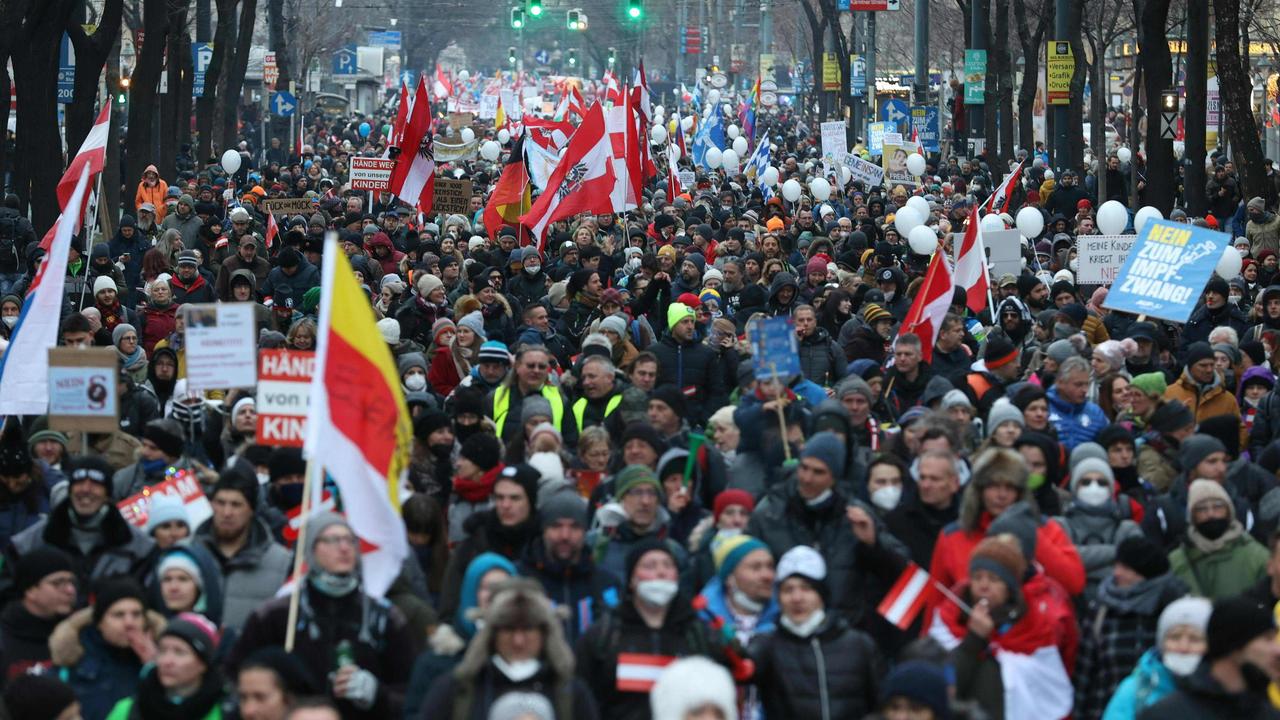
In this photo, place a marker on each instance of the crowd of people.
(611, 513)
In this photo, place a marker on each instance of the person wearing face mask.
(740, 597)
(885, 476)
(530, 285)
(1095, 522)
(654, 624)
(730, 512)
(1231, 679)
(163, 447)
(1216, 558)
(431, 459)
(1122, 622)
(1179, 645)
(814, 665)
(413, 372)
(520, 649)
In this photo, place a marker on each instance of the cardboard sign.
(1167, 269)
(82, 389)
(284, 392)
(459, 120)
(775, 349)
(1101, 257)
(687, 178)
(371, 173)
(181, 484)
(221, 346)
(870, 174)
(289, 206)
(894, 162)
(452, 196)
(488, 107)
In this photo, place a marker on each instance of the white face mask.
(518, 670)
(1074, 264)
(1181, 664)
(888, 297)
(532, 270)
(264, 478)
(887, 497)
(657, 592)
(806, 627)
(10, 321)
(415, 382)
(1093, 495)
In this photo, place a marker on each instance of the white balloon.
(1144, 215)
(1123, 154)
(675, 151)
(658, 135)
(820, 188)
(713, 158)
(463, 75)
(1112, 217)
(1048, 174)
(732, 131)
(741, 146)
(906, 220)
(1229, 265)
(991, 222)
(686, 123)
(468, 135)
(713, 97)
(659, 110)
(791, 190)
(1030, 222)
(231, 161)
(490, 150)
(845, 175)
(729, 159)
(915, 164)
(504, 136)
(770, 176)
(920, 205)
(923, 240)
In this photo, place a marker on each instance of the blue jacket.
(102, 675)
(1075, 423)
(1148, 683)
(718, 606)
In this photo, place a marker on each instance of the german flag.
(511, 197)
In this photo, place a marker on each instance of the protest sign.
(452, 196)
(687, 178)
(1167, 269)
(181, 484)
(488, 107)
(1101, 257)
(289, 206)
(875, 136)
(284, 387)
(221, 343)
(1004, 251)
(894, 162)
(926, 123)
(835, 141)
(453, 153)
(371, 173)
(82, 389)
(869, 173)
(774, 348)
(459, 120)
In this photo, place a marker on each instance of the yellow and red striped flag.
(358, 426)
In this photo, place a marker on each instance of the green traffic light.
(634, 12)
(535, 8)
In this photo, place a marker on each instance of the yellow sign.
(1060, 66)
(830, 72)
(766, 65)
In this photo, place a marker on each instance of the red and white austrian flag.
(908, 596)
(637, 672)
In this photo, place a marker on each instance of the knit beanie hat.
(1192, 611)
(103, 282)
(475, 321)
(1207, 490)
(483, 450)
(1171, 417)
(38, 697)
(672, 397)
(923, 683)
(93, 468)
(534, 406)
(999, 351)
(854, 385)
(1086, 450)
(1091, 465)
(111, 591)
(1143, 556)
(828, 449)
(166, 508)
(167, 435)
(731, 551)
(1235, 622)
(677, 312)
(1022, 522)
(691, 683)
(1060, 350)
(195, 630)
(563, 504)
(616, 325)
(120, 331)
(805, 562)
(645, 433)
(440, 326)
(180, 559)
(632, 477)
(1114, 434)
(38, 564)
(1003, 411)
(732, 496)
(1001, 556)
(525, 476)
(1195, 448)
(494, 351)
(647, 544)
(1152, 384)
(389, 329)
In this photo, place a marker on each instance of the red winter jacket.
(1053, 602)
(157, 324)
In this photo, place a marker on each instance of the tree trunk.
(1031, 43)
(91, 56)
(142, 97)
(1004, 60)
(233, 78)
(1234, 91)
(171, 117)
(205, 105)
(1075, 112)
(1194, 104)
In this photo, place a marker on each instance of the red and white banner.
(284, 389)
(184, 485)
(912, 592)
(637, 672)
(999, 200)
(413, 179)
(369, 173)
(933, 301)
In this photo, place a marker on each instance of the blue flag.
(710, 134)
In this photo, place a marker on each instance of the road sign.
(542, 57)
(284, 389)
(1169, 125)
(345, 61)
(868, 5)
(270, 71)
(66, 70)
(201, 56)
(283, 104)
(857, 76)
(895, 112)
(371, 173)
(385, 38)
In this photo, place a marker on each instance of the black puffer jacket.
(834, 673)
(821, 359)
(691, 367)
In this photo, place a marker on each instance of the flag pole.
(299, 551)
(946, 592)
(982, 253)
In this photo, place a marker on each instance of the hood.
(897, 275)
(151, 169)
(211, 593)
(523, 602)
(247, 275)
(780, 281)
(379, 239)
(1017, 304)
(1257, 371)
(935, 389)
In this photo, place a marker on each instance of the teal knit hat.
(1151, 384)
(633, 476)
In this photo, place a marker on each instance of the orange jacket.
(154, 194)
(1215, 401)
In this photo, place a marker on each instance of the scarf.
(1207, 546)
(133, 360)
(478, 490)
(1142, 598)
(112, 315)
(154, 703)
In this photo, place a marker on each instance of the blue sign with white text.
(201, 56)
(345, 61)
(774, 348)
(1166, 271)
(66, 70)
(925, 122)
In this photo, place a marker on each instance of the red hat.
(1212, 221)
(732, 497)
(1084, 205)
(689, 299)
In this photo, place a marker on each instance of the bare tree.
(1235, 91)
(1031, 40)
(1108, 21)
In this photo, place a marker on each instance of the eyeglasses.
(339, 540)
(1086, 482)
(536, 366)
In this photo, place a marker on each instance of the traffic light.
(613, 55)
(517, 18)
(573, 58)
(123, 96)
(535, 8)
(635, 9)
(574, 19)
(511, 55)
